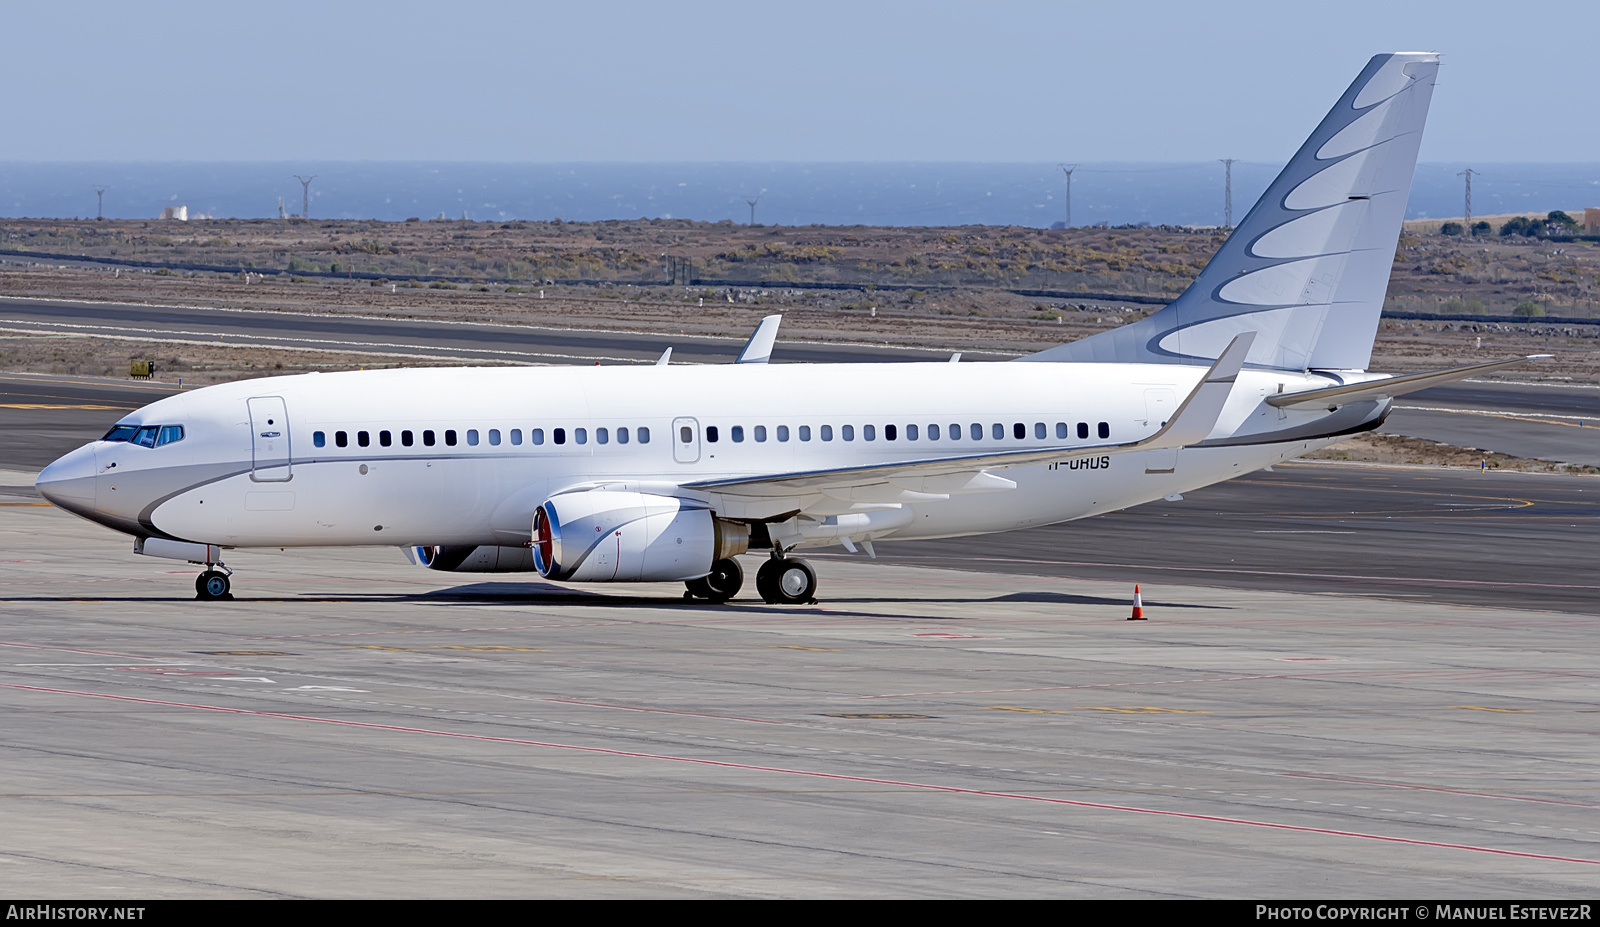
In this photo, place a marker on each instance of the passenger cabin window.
(998, 431)
(847, 432)
(622, 436)
(827, 432)
(644, 435)
(405, 438)
(911, 432)
(363, 438)
(427, 438)
(737, 434)
(319, 439)
(805, 432)
(889, 432)
(558, 436)
(580, 435)
(385, 438)
(536, 436)
(1061, 430)
(1105, 429)
(1083, 430)
(783, 432)
(342, 439)
(516, 436)
(601, 436)
(976, 431)
(761, 433)
(933, 432)
(869, 433)
(1019, 431)
(472, 437)
(494, 437)
(1038, 430)
(450, 437)
(711, 433)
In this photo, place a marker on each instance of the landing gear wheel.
(721, 584)
(786, 581)
(212, 586)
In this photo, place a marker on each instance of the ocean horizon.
(789, 194)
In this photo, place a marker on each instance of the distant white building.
(179, 213)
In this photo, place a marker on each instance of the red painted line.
(836, 777)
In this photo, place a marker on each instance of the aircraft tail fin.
(1308, 267)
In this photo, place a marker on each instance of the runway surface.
(1546, 422)
(1516, 540)
(355, 727)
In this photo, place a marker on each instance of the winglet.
(1198, 415)
(666, 358)
(758, 350)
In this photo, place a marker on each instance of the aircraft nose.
(70, 481)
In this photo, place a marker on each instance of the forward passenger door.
(269, 440)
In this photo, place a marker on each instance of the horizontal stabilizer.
(1388, 387)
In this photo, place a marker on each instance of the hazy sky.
(743, 81)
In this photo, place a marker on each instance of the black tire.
(724, 581)
(786, 581)
(698, 588)
(212, 586)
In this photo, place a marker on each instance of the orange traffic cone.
(1138, 605)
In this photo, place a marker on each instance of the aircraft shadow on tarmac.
(488, 594)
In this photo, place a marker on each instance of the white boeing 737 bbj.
(666, 473)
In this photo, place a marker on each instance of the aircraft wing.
(1387, 387)
(939, 477)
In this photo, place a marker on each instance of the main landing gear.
(720, 585)
(786, 581)
(213, 585)
(781, 581)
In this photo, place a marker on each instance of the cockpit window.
(145, 435)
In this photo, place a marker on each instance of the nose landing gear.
(213, 585)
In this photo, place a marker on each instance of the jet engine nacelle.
(602, 535)
(470, 559)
